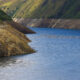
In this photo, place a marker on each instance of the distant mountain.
(69, 9)
(44, 13)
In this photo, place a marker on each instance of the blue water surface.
(57, 57)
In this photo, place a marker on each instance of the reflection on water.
(59, 36)
(57, 57)
(6, 61)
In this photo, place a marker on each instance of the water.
(57, 57)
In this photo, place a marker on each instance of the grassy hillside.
(4, 16)
(12, 40)
(42, 8)
(70, 9)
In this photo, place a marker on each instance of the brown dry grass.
(13, 42)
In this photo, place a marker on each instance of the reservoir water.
(57, 57)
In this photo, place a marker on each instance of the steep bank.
(20, 27)
(12, 40)
(51, 23)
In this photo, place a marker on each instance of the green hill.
(42, 8)
(4, 16)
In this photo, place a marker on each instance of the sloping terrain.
(44, 13)
(42, 8)
(12, 41)
(4, 16)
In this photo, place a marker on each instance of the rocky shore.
(51, 23)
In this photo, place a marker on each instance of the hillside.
(12, 40)
(4, 16)
(42, 8)
(44, 13)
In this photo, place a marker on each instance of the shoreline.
(50, 23)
